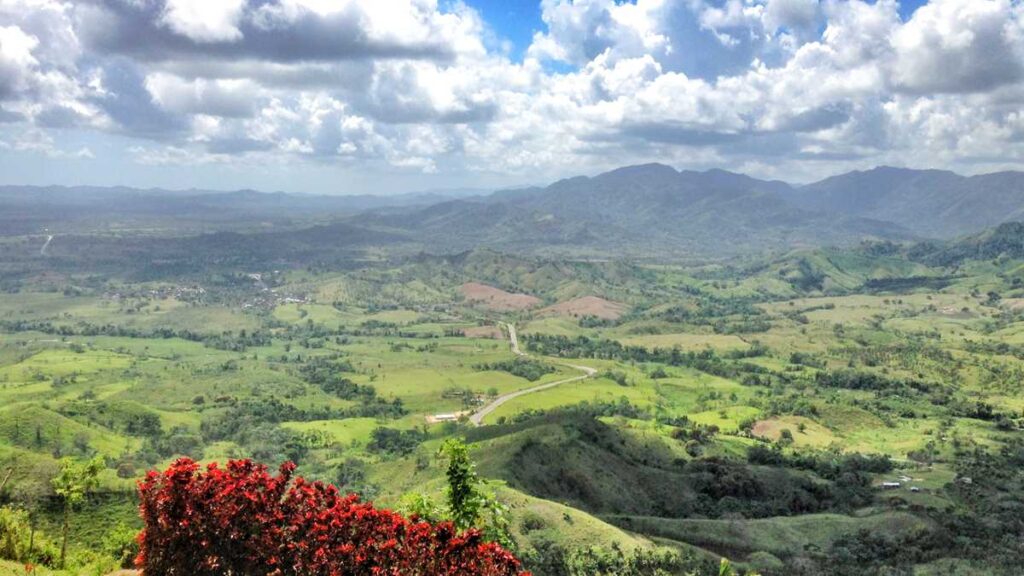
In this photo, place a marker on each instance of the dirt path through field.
(478, 417)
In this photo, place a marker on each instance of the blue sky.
(512, 20)
(517, 20)
(387, 96)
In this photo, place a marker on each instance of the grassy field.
(710, 363)
(779, 537)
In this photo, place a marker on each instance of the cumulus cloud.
(39, 142)
(796, 15)
(292, 31)
(204, 20)
(16, 60)
(578, 31)
(225, 98)
(785, 88)
(960, 46)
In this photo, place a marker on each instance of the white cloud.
(798, 15)
(204, 20)
(37, 141)
(232, 98)
(16, 61)
(959, 46)
(413, 86)
(580, 30)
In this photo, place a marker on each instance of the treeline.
(255, 425)
(253, 412)
(828, 464)
(723, 316)
(859, 380)
(936, 394)
(531, 370)
(227, 340)
(707, 360)
(325, 372)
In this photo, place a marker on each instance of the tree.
(786, 437)
(468, 505)
(464, 500)
(74, 481)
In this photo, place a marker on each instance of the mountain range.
(930, 203)
(635, 210)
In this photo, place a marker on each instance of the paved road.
(478, 417)
(42, 251)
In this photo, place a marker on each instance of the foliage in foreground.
(240, 519)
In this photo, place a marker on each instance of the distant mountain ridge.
(648, 209)
(931, 203)
(636, 209)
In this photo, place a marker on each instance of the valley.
(807, 410)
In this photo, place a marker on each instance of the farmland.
(747, 376)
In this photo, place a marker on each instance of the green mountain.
(931, 203)
(636, 210)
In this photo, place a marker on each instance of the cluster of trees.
(860, 380)
(72, 483)
(723, 316)
(394, 442)
(704, 360)
(531, 370)
(227, 340)
(851, 473)
(326, 372)
(126, 417)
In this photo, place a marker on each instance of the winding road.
(42, 251)
(478, 417)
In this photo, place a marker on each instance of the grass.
(353, 432)
(814, 435)
(589, 390)
(727, 419)
(782, 537)
(719, 342)
(418, 366)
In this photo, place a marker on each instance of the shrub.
(240, 519)
(122, 544)
(531, 370)
(17, 542)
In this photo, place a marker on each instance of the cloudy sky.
(384, 96)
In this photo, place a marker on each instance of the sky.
(389, 96)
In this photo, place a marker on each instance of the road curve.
(42, 251)
(478, 417)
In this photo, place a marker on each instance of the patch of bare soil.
(587, 306)
(484, 332)
(497, 299)
(769, 429)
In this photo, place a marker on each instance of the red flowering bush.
(241, 520)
